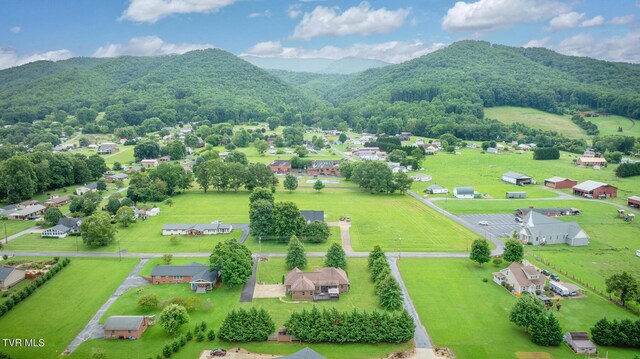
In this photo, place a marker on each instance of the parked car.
(545, 272)
(555, 277)
(483, 223)
(218, 352)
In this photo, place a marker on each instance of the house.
(436, 189)
(29, 212)
(324, 167)
(522, 278)
(311, 216)
(107, 148)
(4, 211)
(57, 231)
(72, 223)
(579, 342)
(126, 326)
(10, 276)
(149, 163)
(591, 161)
(594, 189)
(464, 192)
(133, 169)
(149, 212)
(324, 283)
(539, 229)
(559, 182)
(212, 228)
(116, 177)
(164, 159)
(588, 153)
(91, 187)
(27, 203)
(633, 201)
(421, 177)
(404, 136)
(306, 353)
(492, 150)
(516, 195)
(517, 178)
(57, 200)
(550, 212)
(199, 276)
(397, 168)
(280, 166)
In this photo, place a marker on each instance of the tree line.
(375, 177)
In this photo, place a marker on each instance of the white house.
(212, 228)
(58, 231)
(149, 163)
(492, 150)
(421, 177)
(521, 277)
(464, 192)
(436, 189)
(90, 187)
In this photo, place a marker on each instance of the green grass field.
(222, 300)
(57, 311)
(469, 316)
(13, 227)
(536, 119)
(608, 125)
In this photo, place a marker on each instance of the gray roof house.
(436, 189)
(126, 326)
(199, 276)
(579, 342)
(464, 192)
(10, 276)
(26, 212)
(57, 231)
(521, 277)
(539, 229)
(72, 223)
(311, 216)
(200, 229)
(89, 187)
(306, 353)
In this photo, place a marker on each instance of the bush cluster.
(253, 325)
(617, 333)
(628, 170)
(546, 153)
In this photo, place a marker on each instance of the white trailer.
(559, 289)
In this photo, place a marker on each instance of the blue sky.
(392, 31)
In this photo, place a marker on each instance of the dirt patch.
(269, 291)
(533, 355)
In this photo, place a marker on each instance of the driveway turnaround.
(94, 329)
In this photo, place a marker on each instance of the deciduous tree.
(290, 183)
(173, 317)
(52, 216)
(233, 261)
(96, 230)
(480, 251)
(125, 216)
(623, 285)
(526, 310)
(513, 251)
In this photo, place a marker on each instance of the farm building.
(126, 326)
(57, 200)
(311, 216)
(324, 283)
(464, 192)
(522, 278)
(89, 187)
(421, 177)
(516, 195)
(633, 201)
(149, 163)
(436, 189)
(579, 342)
(199, 276)
(550, 212)
(559, 182)
(107, 148)
(591, 161)
(404, 136)
(539, 229)
(589, 153)
(324, 167)
(594, 189)
(10, 276)
(116, 177)
(517, 178)
(280, 166)
(204, 229)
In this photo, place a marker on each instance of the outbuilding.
(517, 178)
(633, 201)
(516, 195)
(436, 189)
(559, 182)
(579, 342)
(464, 192)
(125, 326)
(594, 189)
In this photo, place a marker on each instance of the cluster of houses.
(30, 209)
(315, 168)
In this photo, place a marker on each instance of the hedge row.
(617, 333)
(628, 170)
(26, 292)
(242, 325)
(198, 333)
(546, 153)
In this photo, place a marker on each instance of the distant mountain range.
(347, 65)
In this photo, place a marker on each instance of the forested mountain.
(347, 65)
(312, 84)
(206, 84)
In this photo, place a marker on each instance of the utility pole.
(6, 238)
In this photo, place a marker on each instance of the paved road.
(21, 233)
(421, 336)
(206, 255)
(94, 329)
(344, 234)
(474, 228)
(247, 290)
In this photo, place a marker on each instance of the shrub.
(178, 301)
(189, 335)
(175, 346)
(485, 280)
(497, 262)
(167, 351)
(200, 336)
(211, 335)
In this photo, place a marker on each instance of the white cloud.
(623, 20)
(392, 51)
(10, 58)
(357, 20)
(294, 10)
(15, 29)
(615, 48)
(566, 21)
(538, 43)
(486, 15)
(266, 13)
(147, 46)
(596, 21)
(153, 10)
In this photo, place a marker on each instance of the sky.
(391, 31)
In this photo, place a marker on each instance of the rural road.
(206, 255)
(21, 233)
(94, 329)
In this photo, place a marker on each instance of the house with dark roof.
(306, 353)
(324, 168)
(322, 284)
(280, 166)
(311, 216)
(57, 231)
(204, 229)
(89, 187)
(517, 178)
(126, 326)
(10, 276)
(522, 278)
(559, 182)
(116, 177)
(595, 189)
(539, 229)
(579, 342)
(199, 276)
(107, 148)
(436, 189)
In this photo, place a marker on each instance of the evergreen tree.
(296, 257)
(375, 254)
(546, 330)
(335, 257)
(378, 267)
(389, 293)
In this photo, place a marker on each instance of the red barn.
(594, 189)
(559, 182)
(280, 166)
(634, 201)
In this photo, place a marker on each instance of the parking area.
(499, 225)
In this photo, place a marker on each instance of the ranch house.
(322, 284)
(204, 229)
(436, 189)
(199, 276)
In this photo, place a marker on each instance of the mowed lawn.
(12, 227)
(222, 300)
(471, 317)
(484, 173)
(608, 125)
(59, 309)
(536, 119)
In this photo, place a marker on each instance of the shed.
(559, 182)
(517, 178)
(579, 342)
(10, 276)
(594, 189)
(516, 195)
(634, 201)
(125, 326)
